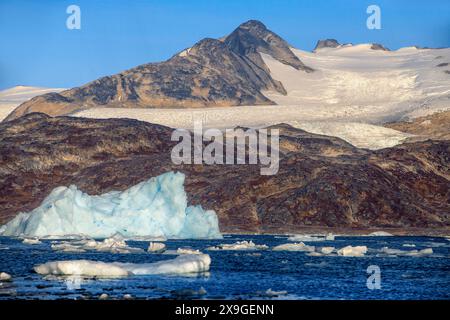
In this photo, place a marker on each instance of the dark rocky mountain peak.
(327, 43)
(377, 46)
(214, 72)
(253, 37)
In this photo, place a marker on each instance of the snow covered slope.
(12, 97)
(157, 208)
(377, 85)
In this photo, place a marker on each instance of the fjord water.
(242, 274)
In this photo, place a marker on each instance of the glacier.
(153, 208)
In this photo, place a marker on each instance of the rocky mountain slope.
(323, 182)
(224, 72)
(435, 126)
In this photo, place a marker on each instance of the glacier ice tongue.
(153, 208)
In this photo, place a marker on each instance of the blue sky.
(37, 49)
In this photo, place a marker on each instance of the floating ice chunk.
(239, 245)
(31, 241)
(329, 237)
(127, 296)
(114, 244)
(408, 245)
(308, 238)
(5, 276)
(294, 247)
(81, 268)
(189, 263)
(326, 250)
(67, 247)
(426, 251)
(188, 251)
(349, 251)
(409, 253)
(103, 296)
(182, 264)
(153, 208)
(156, 247)
(272, 293)
(183, 293)
(380, 234)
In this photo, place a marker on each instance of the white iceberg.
(239, 245)
(153, 208)
(115, 244)
(349, 251)
(5, 276)
(188, 251)
(31, 241)
(103, 296)
(326, 250)
(408, 253)
(294, 247)
(311, 238)
(156, 247)
(195, 263)
(380, 234)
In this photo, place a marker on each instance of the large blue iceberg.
(153, 208)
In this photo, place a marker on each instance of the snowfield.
(153, 208)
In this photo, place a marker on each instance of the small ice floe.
(294, 247)
(103, 296)
(350, 251)
(326, 250)
(408, 253)
(183, 264)
(188, 251)
(188, 293)
(115, 244)
(311, 238)
(408, 245)
(380, 234)
(4, 277)
(240, 245)
(436, 244)
(127, 296)
(271, 293)
(156, 247)
(31, 241)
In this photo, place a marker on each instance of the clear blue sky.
(37, 49)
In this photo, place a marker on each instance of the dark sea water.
(243, 274)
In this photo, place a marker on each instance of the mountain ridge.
(322, 182)
(227, 72)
